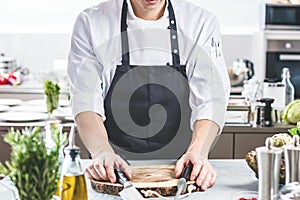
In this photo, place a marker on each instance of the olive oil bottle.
(72, 182)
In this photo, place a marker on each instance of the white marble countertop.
(234, 176)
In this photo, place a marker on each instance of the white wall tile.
(38, 32)
(35, 51)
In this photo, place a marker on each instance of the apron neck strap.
(173, 35)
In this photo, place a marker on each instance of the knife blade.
(185, 176)
(129, 192)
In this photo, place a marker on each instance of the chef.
(148, 78)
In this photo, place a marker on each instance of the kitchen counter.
(234, 176)
(240, 128)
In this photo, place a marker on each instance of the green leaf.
(294, 131)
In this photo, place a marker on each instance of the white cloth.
(8, 190)
(96, 50)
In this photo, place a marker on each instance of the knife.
(129, 192)
(185, 176)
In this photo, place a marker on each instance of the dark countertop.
(277, 128)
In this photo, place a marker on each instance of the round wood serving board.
(159, 178)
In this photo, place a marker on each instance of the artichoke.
(279, 140)
(252, 161)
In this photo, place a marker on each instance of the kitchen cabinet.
(4, 149)
(223, 149)
(236, 141)
(245, 142)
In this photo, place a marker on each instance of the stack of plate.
(15, 110)
(12, 111)
(10, 102)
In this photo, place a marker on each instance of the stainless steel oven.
(282, 16)
(284, 53)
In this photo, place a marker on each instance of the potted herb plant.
(33, 168)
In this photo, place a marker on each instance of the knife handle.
(121, 177)
(187, 171)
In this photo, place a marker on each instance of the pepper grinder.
(268, 160)
(292, 162)
(266, 112)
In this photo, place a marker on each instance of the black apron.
(146, 107)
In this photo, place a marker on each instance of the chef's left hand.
(203, 173)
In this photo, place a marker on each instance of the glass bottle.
(54, 127)
(289, 88)
(73, 186)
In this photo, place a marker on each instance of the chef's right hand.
(103, 165)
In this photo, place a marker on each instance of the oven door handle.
(289, 57)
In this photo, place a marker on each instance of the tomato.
(11, 75)
(3, 80)
(248, 198)
(13, 79)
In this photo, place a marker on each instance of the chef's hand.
(203, 173)
(103, 165)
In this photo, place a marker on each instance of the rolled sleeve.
(209, 81)
(84, 71)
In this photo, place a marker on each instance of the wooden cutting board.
(159, 178)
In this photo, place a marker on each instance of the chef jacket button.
(172, 22)
(173, 37)
(175, 51)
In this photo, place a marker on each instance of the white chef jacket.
(96, 51)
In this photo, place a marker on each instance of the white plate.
(41, 102)
(22, 116)
(30, 108)
(10, 102)
(63, 113)
(4, 108)
(37, 102)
